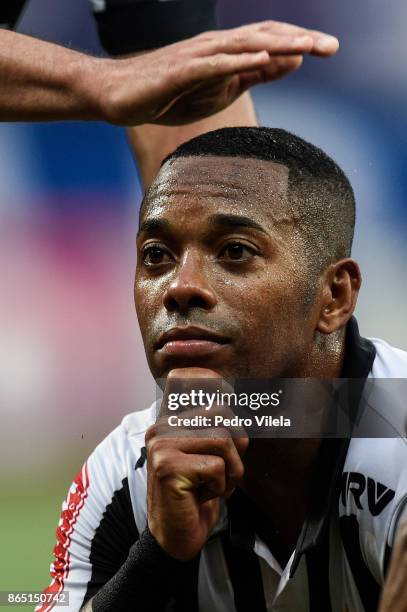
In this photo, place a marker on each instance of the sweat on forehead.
(295, 179)
(230, 179)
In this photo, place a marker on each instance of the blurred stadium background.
(71, 359)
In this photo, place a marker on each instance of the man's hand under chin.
(189, 472)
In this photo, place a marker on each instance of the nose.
(190, 288)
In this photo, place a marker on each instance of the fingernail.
(327, 42)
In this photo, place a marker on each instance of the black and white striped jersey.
(127, 26)
(340, 559)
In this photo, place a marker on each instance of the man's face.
(221, 279)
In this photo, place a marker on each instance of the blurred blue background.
(71, 359)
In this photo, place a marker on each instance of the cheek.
(139, 300)
(269, 310)
(147, 298)
(255, 296)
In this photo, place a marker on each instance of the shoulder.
(121, 449)
(372, 497)
(104, 512)
(374, 479)
(117, 464)
(390, 362)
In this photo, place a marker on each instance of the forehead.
(200, 186)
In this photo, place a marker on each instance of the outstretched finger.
(323, 44)
(253, 42)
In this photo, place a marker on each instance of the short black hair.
(319, 190)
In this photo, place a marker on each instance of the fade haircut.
(319, 192)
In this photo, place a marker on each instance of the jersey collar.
(359, 356)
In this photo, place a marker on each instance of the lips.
(190, 341)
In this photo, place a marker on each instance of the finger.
(268, 25)
(220, 421)
(184, 379)
(192, 372)
(223, 65)
(280, 67)
(162, 431)
(203, 473)
(220, 445)
(218, 442)
(282, 27)
(215, 441)
(212, 476)
(252, 42)
(323, 44)
(186, 388)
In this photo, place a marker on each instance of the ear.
(341, 284)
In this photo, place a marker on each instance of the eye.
(237, 251)
(155, 255)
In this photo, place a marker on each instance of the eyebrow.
(154, 225)
(235, 221)
(219, 221)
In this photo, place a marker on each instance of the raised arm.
(43, 81)
(152, 143)
(285, 44)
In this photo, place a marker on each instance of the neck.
(278, 478)
(291, 461)
(325, 358)
(279, 472)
